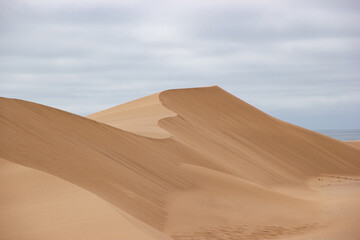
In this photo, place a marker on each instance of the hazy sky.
(296, 60)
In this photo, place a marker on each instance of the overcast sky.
(296, 60)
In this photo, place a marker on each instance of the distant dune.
(140, 116)
(181, 164)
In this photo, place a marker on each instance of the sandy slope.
(37, 205)
(354, 143)
(228, 171)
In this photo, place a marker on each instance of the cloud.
(281, 56)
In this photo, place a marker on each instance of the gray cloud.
(297, 60)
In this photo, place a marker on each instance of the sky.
(296, 60)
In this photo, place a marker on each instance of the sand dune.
(190, 164)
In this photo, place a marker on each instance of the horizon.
(315, 130)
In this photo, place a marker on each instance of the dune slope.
(37, 205)
(354, 143)
(219, 169)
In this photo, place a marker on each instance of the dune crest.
(216, 163)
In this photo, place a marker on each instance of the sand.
(354, 143)
(181, 164)
(139, 116)
(37, 205)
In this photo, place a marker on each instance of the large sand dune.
(183, 164)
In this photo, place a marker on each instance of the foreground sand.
(37, 205)
(202, 165)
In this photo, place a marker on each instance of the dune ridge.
(201, 148)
